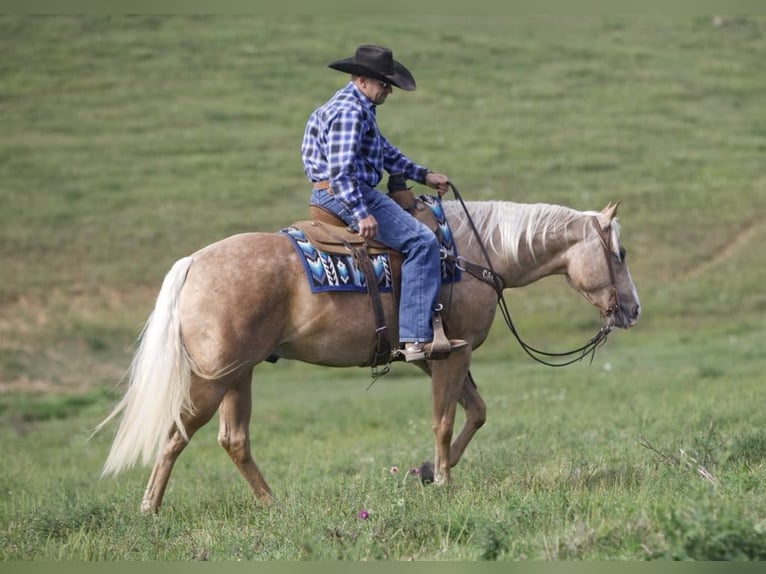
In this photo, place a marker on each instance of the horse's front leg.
(447, 378)
(475, 417)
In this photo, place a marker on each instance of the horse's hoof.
(426, 472)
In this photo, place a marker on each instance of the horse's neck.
(525, 242)
(547, 254)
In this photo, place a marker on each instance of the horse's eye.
(623, 254)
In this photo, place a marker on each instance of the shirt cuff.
(419, 174)
(360, 212)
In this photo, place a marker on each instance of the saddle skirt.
(337, 239)
(331, 258)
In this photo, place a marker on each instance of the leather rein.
(489, 276)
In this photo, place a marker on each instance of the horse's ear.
(610, 211)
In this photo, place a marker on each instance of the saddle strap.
(382, 353)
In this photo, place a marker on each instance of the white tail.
(160, 379)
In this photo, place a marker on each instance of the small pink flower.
(393, 469)
(363, 514)
(414, 470)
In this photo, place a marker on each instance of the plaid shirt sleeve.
(396, 162)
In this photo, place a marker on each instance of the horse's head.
(597, 268)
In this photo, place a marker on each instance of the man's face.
(375, 90)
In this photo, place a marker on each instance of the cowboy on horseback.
(344, 156)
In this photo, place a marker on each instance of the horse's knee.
(444, 429)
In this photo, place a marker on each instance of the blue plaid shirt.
(342, 144)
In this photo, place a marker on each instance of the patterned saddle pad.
(327, 271)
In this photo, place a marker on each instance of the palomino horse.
(243, 299)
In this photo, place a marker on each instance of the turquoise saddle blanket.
(341, 272)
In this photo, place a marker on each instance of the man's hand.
(368, 227)
(438, 181)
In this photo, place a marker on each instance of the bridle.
(605, 235)
(489, 276)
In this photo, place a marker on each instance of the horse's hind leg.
(475, 417)
(206, 396)
(234, 435)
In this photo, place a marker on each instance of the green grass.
(558, 473)
(129, 142)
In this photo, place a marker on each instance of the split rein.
(489, 276)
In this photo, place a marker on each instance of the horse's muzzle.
(623, 316)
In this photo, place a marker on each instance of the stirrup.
(425, 351)
(440, 348)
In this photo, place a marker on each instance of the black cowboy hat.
(376, 62)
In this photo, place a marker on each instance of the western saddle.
(330, 234)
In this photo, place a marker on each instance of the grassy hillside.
(129, 142)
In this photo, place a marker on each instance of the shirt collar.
(364, 100)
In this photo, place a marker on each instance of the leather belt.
(321, 185)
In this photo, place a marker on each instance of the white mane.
(506, 226)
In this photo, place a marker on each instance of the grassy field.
(129, 142)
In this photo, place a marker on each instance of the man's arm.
(396, 162)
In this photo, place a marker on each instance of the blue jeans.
(421, 269)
